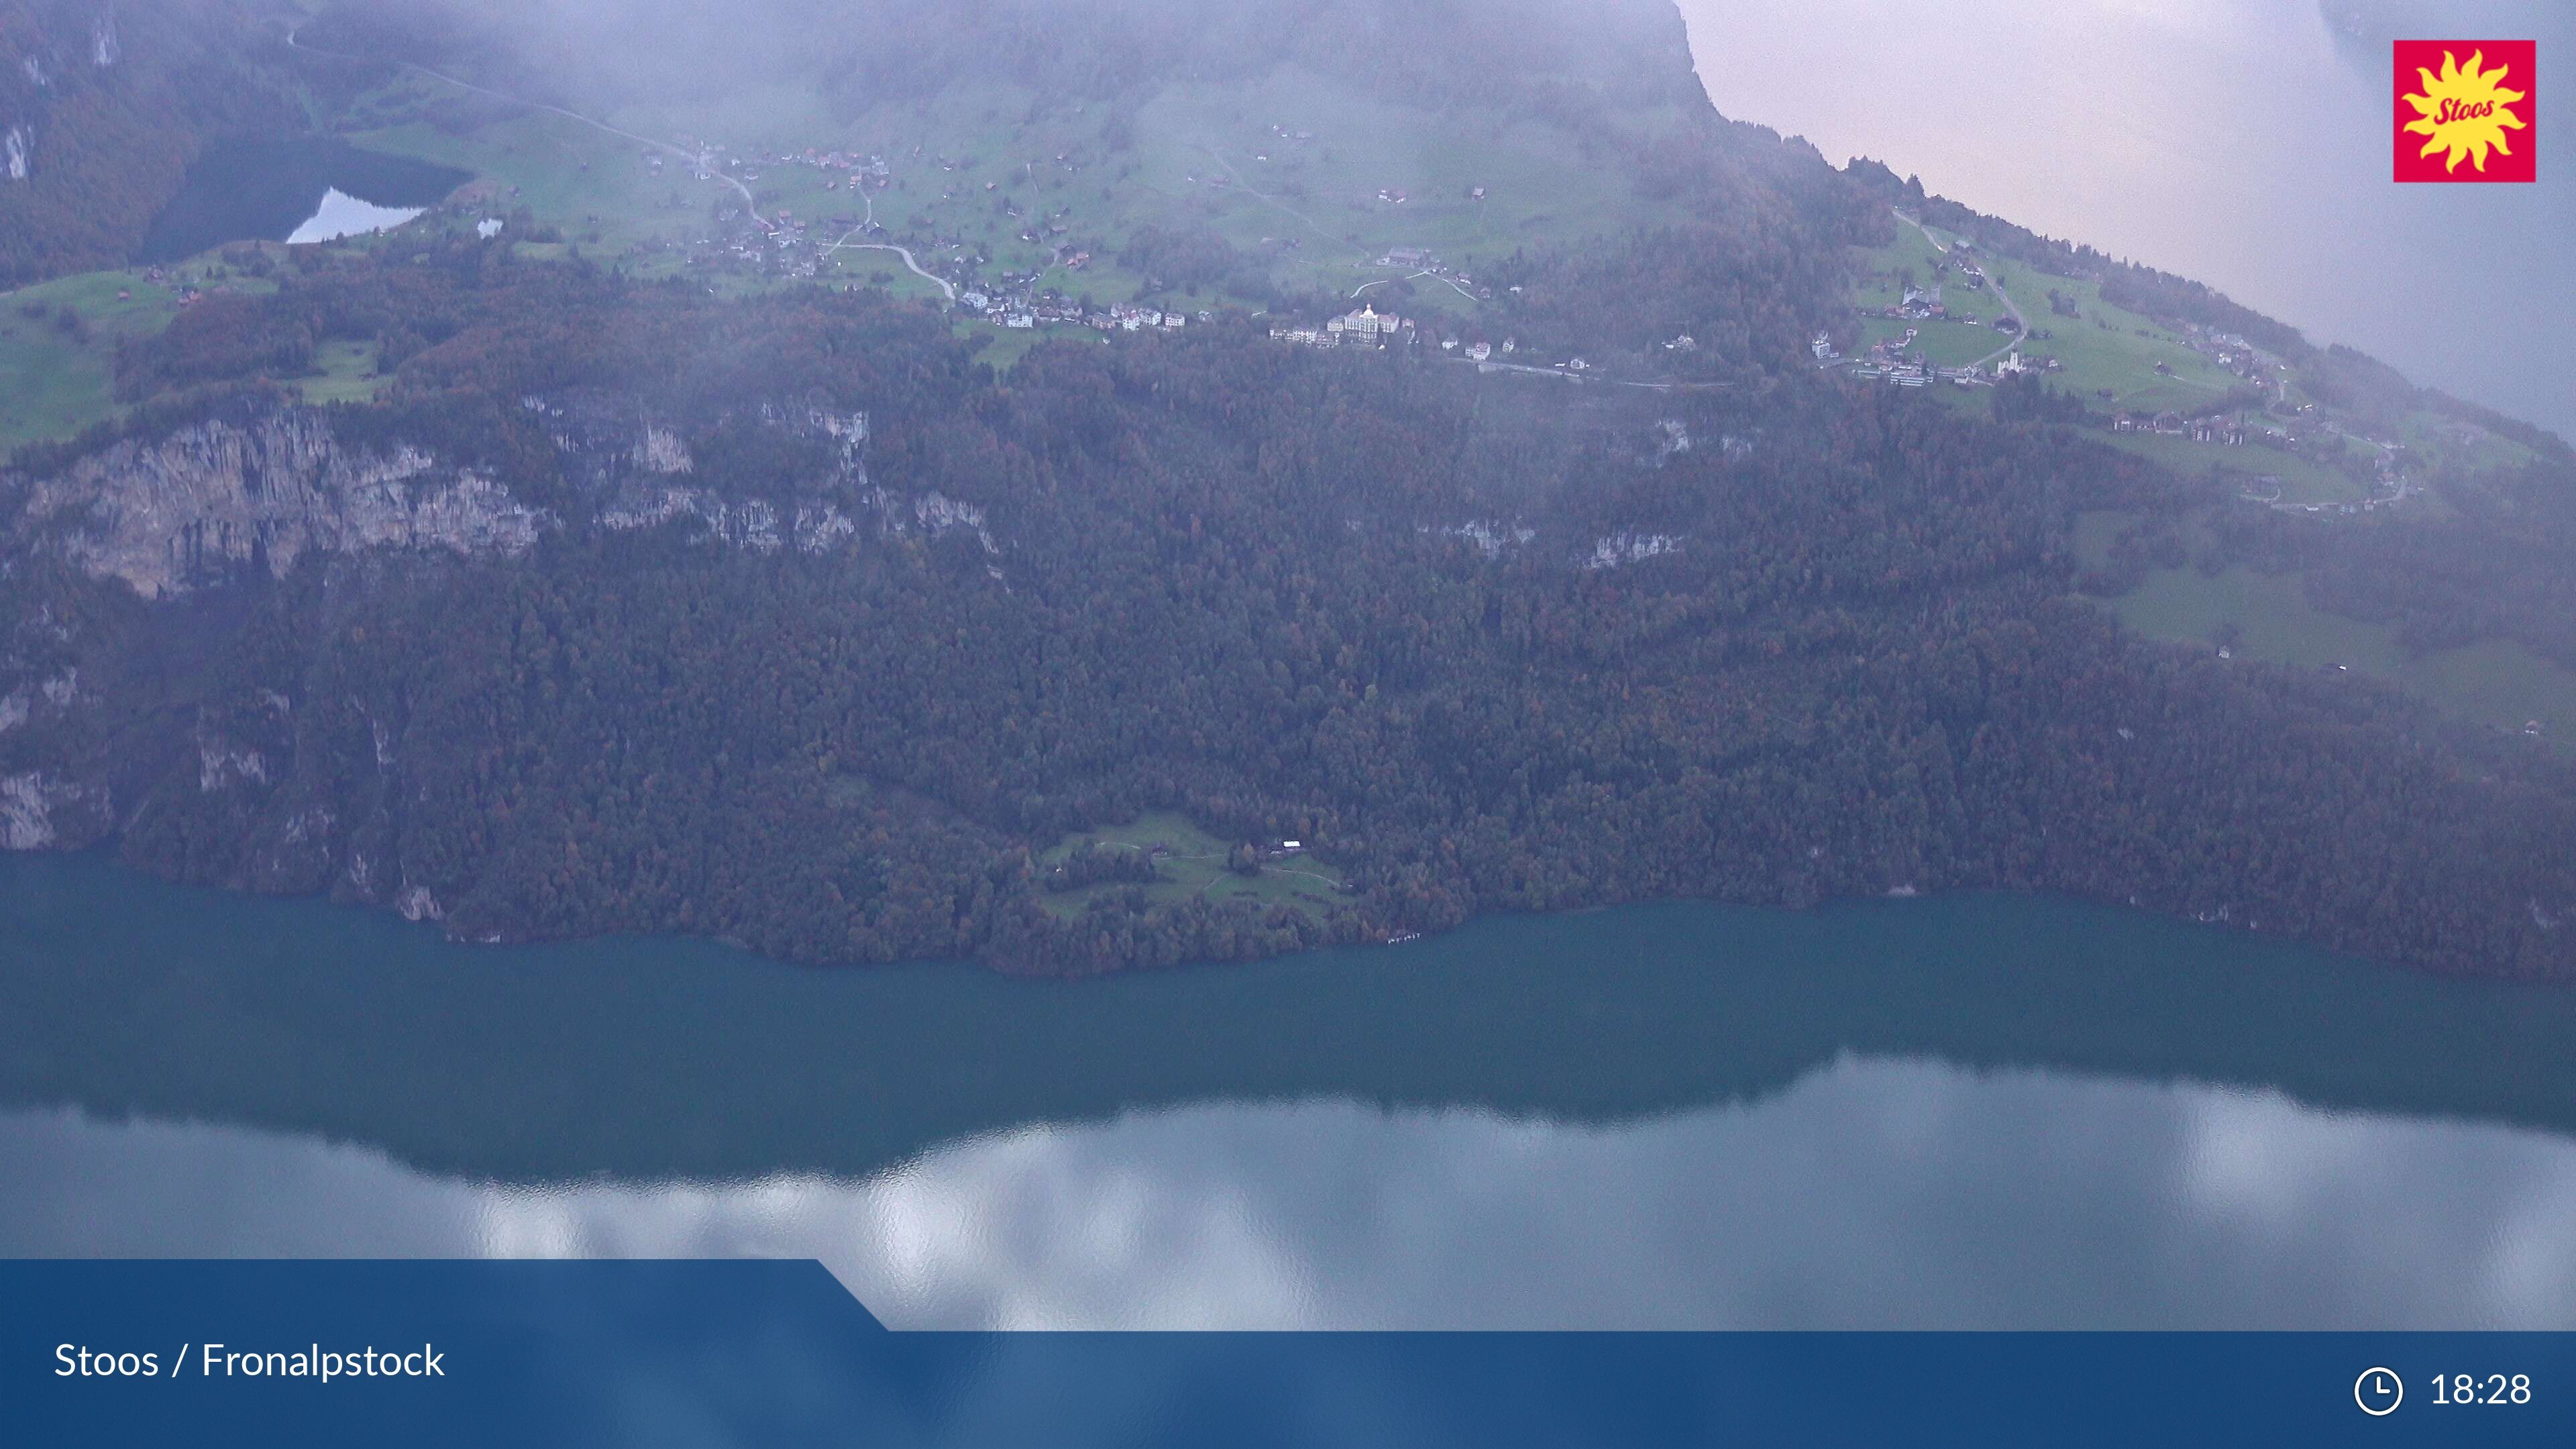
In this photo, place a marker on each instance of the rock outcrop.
(218, 495)
(38, 811)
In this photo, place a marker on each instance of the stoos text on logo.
(2467, 110)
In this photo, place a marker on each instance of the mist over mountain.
(1101, 50)
(1122, 483)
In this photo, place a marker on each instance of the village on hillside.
(1001, 241)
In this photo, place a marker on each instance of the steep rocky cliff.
(261, 490)
(163, 514)
(135, 581)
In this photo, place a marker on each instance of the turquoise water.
(1965, 1110)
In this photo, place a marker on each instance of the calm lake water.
(303, 190)
(2244, 143)
(1978, 1110)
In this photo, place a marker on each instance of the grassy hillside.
(2106, 349)
(58, 349)
(58, 342)
(2268, 617)
(1297, 144)
(1307, 212)
(1191, 864)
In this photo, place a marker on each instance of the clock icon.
(2378, 1391)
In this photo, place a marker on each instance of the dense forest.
(1481, 643)
(783, 617)
(102, 108)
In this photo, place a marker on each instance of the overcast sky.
(2240, 142)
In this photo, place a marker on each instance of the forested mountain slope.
(620, 599)
(103, 106)
(787, 621)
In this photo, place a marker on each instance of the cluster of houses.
(1367, 327)
(1896, 362)
(2230, 351)
(1915, 373)
(1128, 319)
(1889, 362)
(1422, 263)
(1924, 304)
(2225, 431)
(780, 248)
(850, 169)
(1019, 304)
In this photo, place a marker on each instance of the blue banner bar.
(776, 1353)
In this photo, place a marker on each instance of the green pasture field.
(2105, 348)
(55, 382)
(342, 372)
(1944, 344)
(2303, 480)
(1194, 867)
(2494, 682)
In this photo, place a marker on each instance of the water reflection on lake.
(1875, 1193)
(1959, 1110)
(340, 214)
(302, 189)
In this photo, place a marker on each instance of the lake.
(302, 190)
(2243, 143)
(1953, 1111)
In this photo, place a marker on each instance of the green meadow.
(2267, 617)
(1192, 865)
(2106, 348)
(56, 376)
(2302, 480)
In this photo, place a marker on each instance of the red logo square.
(2468, 110)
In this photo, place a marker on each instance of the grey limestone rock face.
(160, 514)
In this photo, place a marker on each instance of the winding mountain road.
(942, 283)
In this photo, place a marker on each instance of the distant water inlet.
(305, 190)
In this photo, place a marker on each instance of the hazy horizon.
(2108, 122)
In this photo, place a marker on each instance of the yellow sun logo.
(2463, 110)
